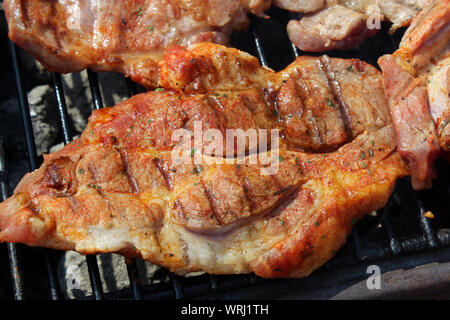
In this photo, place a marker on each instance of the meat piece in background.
(128, 37)
(344, 24)
(416, 78)
(332, 28)
(414, 128)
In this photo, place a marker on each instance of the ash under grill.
(398, 237)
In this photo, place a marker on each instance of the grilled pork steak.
(417, 81)
(124, 36)
(342, 24)
(119, 189)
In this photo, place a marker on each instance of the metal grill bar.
(394, 244)
(425, 223)
(177, 288)
(32, 156)
(91, 261)
(24, 108)
(259, 48)
(16, 272)
(94, 276)
(13, 254)
(134, 279)
(95, 90)
(62, 107)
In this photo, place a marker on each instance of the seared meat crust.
(118, 188)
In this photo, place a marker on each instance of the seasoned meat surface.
(119, 188)
(123, 36)
(417, 81)
(320, 102)
(343, 24)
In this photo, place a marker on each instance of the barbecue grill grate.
(264, 36)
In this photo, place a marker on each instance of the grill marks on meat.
(154, 118)
(224, 197)
(335, 85)
(317, 103)
(310, 107)
(123, 36)
(416, 81)
(342, 24)
(118, 188)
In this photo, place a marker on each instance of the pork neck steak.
(118, 188)
(123, 36)
(417, 81)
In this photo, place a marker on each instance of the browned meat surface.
(319, 102)
(343, 24)
(205, 67)
(124, 36)
(119, 189)
(417, 84)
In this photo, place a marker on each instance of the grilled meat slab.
(118, 188)
(342, 24)
(417, 85)
(123, 36)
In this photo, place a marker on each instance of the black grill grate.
(432, 235)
